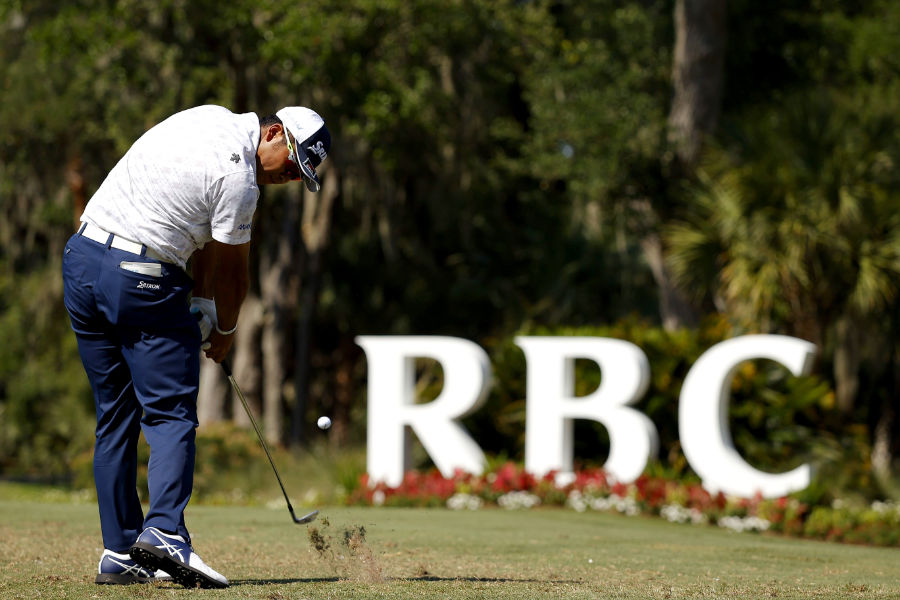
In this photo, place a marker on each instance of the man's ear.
(273, 131)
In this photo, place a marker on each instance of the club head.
(305, 518)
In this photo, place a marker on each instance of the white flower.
(464, 502)
(732, 523)
(576, 500)
(756, 524)
(377, 498)
(744, 524)
(626, 505)
(885, 507)
(581, 502)
(521, 499)
(601, 503)
(675, 513)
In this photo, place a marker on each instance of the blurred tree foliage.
(794, 223)
(497, 167)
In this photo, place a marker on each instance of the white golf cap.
(313, 141)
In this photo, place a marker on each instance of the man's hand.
(205, 308)
(221, 271)
(218, 346)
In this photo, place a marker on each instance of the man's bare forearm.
(203, 267)
(231, 284)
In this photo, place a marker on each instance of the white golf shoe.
(155, 550)
(120, 569)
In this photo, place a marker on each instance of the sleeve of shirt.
(232, 204)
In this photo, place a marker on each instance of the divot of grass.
(349, 558)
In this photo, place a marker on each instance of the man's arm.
(222, 271)
(203, 267)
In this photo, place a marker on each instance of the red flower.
(509, 478)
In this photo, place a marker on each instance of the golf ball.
(323, 422)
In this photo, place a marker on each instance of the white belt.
(92, 232)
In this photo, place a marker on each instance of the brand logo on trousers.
(147, 286)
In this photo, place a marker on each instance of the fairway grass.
(50, 550)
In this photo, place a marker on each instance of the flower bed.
(511, 487)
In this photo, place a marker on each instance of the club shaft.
(262, 440)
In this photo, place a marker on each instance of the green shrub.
(46, 406)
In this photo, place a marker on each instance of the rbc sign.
(552, 407)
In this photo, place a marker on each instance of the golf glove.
(205, 311)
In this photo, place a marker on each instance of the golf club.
(302, 520)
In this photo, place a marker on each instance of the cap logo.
(319, 149)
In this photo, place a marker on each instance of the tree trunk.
(847, 359)
(274, 359)
(308, 302)
(278, 297)
(214, 386)
(674, 309)
(77, 187)
(246, 360)
(212, 394)
(883, 442)
(347, 355)
(316, 227)
(882, 456)
(697, 71)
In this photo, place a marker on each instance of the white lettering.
(392, 404)
(319, 149)
(551, 404)
(551, 407)
(703, 416)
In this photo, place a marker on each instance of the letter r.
(392, 404)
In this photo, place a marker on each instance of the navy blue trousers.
(140, 347)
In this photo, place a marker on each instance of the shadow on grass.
(482, 579)
(282, 581)
(398, 579)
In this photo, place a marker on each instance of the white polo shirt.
(186, 181)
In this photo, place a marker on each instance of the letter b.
(552, 406)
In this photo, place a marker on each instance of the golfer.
(185, 193)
